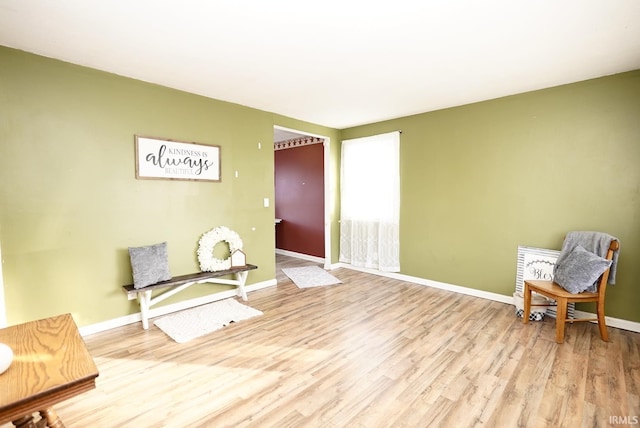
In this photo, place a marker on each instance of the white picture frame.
(538, 263)
(158, 158)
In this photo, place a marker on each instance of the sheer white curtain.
(370, 202)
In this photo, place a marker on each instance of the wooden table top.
(51, 363)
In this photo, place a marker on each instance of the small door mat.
(310, 276)
(186, 325)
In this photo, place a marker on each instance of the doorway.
(3, 309)
(293, 229)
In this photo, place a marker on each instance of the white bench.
(179, 283)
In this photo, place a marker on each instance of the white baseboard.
(611, 322)
(435, 284)
(300, 256)
(163, 310)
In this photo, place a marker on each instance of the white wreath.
(209, 240)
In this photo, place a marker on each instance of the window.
(370, 202)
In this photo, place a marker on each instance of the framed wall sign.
(176, 160)
(538, 263)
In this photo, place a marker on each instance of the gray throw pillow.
(580, 270)
(149, 264)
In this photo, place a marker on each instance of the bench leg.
(241, 277)
(144, 299)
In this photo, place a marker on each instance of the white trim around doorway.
(328, 200)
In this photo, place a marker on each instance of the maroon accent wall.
(299, 199)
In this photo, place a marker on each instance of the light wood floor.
(371, 352)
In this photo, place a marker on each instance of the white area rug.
(310, 276)
(195, 322)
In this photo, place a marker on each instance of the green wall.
(69, 201)
(477, 181)
(481, 179)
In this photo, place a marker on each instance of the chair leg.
(527, 303)
(561, 319)
(602, 325)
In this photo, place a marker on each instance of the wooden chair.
(562, 297)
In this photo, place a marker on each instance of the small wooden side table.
(51, 364)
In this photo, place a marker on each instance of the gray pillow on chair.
(580, 270)
(149, 264)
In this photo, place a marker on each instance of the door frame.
(3, 308)
(327, 188)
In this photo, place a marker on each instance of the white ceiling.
(337, 63)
